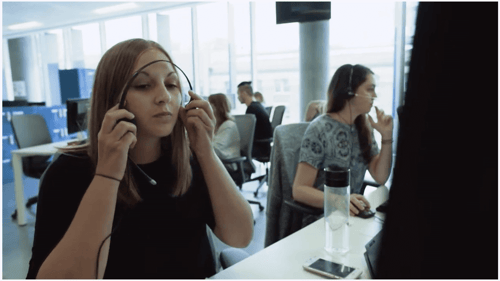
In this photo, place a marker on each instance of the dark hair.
(246, 87)
(338, 96)
(222, 106)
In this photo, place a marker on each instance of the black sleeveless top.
(163, 236)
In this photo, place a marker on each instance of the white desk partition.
(284, 259)
(17, 165)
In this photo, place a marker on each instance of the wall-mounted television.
(287, 12)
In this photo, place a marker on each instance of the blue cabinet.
(76, 83)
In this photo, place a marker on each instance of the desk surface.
(284, 259)
(44, 149)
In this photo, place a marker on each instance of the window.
(364, 34)
(174, 33)
(213, 65)
(277, 51)
(55, 39)
(87, 43)
(118, 30)
(411, 20)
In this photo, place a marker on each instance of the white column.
(196, 72)
(314, 60)
(399, 67)
(7, 72)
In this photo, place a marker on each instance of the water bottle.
(337, 192)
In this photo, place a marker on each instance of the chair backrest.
(268, 110)
(246, 128)
(281, 220)
(279, 111)
(30, 130)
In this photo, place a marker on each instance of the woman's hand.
(358, 204)
(383, 124)
(199, 120)
(114, 142)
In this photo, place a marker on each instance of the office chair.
(278, 114)
(31, 130)
(285, 215)
(268, 110)
(246, 128)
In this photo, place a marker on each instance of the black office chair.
(246, 129)
(278, 114)
(31, 130)
(268, 110)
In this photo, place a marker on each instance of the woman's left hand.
(199, 120)
(383, 124)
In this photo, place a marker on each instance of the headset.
(133, 121)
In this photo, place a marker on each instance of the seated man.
(263, 129)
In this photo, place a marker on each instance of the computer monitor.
(77, 115)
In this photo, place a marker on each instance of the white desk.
(284, 259)
(17, 165)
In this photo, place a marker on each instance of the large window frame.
(400, 60)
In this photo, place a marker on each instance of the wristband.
(111, 178)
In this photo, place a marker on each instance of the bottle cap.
(336, 176)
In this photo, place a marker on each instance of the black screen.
(287, 12)
(333, 268)
(77, 114)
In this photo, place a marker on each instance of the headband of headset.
(129, 83)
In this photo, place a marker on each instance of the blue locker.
(76, 83)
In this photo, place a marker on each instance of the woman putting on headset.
(100, 216)
(344, 137)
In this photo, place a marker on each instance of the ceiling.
(58, 14)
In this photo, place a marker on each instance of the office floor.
(18, 240)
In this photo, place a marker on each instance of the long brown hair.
(114, 69)
(222, 108)
(338, 96)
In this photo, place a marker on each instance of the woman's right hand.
(358, 204)
(114, 142)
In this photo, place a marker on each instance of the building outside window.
(118, 30)
(87, 40)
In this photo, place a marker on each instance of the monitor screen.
(77, 114)
(287, 12)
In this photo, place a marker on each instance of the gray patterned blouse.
(329, 142)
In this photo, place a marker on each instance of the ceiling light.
(24, 25)
(115, 8)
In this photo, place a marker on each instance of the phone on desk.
(331, 269)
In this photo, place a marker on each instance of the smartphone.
(331, 269)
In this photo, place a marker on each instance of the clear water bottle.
(337, 191)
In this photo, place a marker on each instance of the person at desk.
(344, 137)
(263, 129)
(227, 137)
(260, 98)
(314, 109)
(99, 213)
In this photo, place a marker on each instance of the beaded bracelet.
(111, 178)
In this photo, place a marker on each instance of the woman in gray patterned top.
(344, 137)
